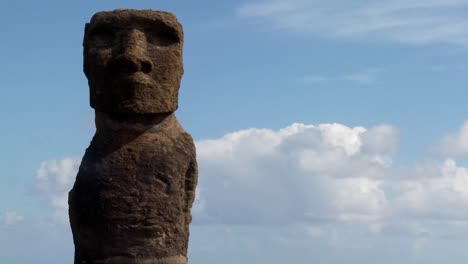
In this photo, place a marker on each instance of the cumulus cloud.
(327, 176)
(456, 144)
(302, 172)
(439, 198)
(10, 218)
(412, 22)
(54, 178)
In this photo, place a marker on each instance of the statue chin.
(135, 107)
(138, 107)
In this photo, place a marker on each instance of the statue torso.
(135, 187)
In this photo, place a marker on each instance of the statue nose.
(133, 54)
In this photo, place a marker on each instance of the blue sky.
(327, 131)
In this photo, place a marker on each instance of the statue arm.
(191, 180)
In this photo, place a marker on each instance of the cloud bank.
(302, 172)
(325, 178)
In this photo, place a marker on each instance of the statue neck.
(117, 124)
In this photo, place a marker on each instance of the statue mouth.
(138, 80)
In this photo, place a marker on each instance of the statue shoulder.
(187, 140)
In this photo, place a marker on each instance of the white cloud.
(10, 218)
(456, 144)
(54, 179)
(302, 172)
(441, 198)
(406, 21)
(331, 177)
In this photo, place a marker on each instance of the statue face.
(133, 61)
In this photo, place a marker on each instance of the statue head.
(133, 61)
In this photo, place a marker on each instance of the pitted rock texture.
(136, 184)
(133, 61)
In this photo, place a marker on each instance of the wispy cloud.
(405, 21)
(11, 218)
(315, 78)
(364, 77)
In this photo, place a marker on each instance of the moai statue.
(136, 184)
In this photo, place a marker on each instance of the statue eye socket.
(102, 36)
(162, 36)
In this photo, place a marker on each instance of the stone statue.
(136, 184)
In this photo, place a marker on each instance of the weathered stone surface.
(136, 184)
(133, 61)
